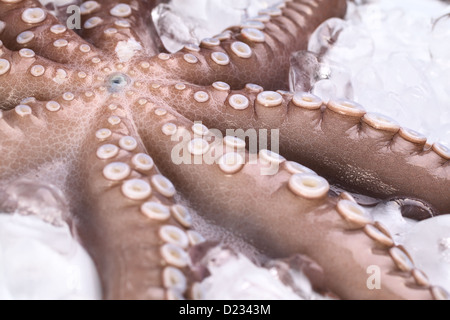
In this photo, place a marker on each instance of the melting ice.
(42, 261)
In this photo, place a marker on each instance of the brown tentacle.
(36, 132)
(278, 218)
(31, 26)
(43, 79)
(340, 141)
(129, 246)
(244, 55)
(117, 24)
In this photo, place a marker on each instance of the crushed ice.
(396, 57)
(39, 258)
(181, 22)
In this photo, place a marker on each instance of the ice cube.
(429, 245)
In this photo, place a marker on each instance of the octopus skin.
(100, 113)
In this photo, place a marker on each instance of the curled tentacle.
(287, 203)
(340, 141)
(257, 51)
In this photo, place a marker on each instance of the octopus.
(125, 131)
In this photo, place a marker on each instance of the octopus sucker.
(138, 142)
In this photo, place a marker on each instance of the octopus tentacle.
(33, 124)
(45, 79)
(115, 26)
(340, 140)
(31, 26)
(134, 230)
(257, 51)
(286, 204)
